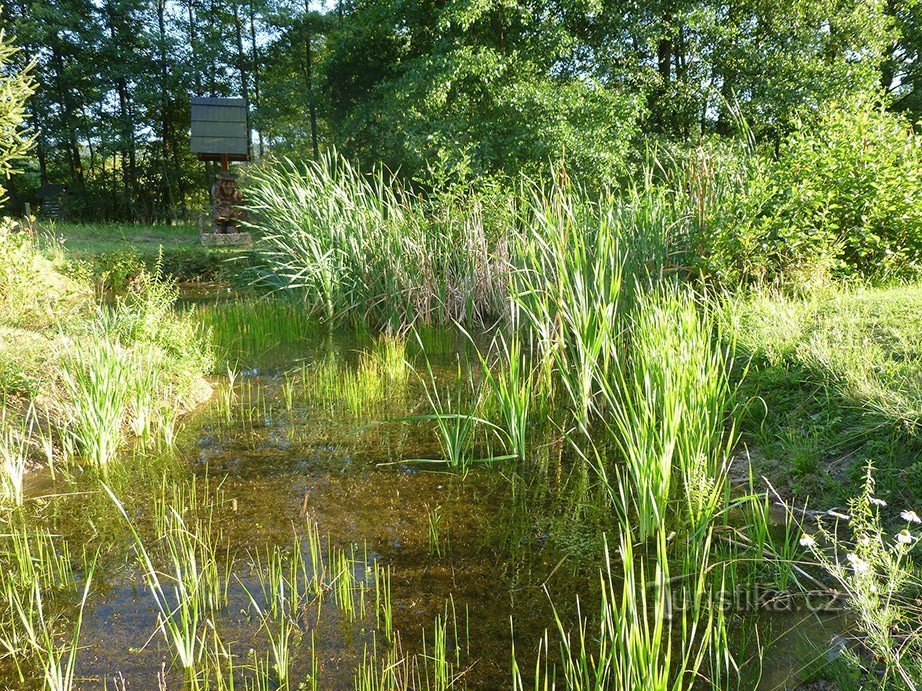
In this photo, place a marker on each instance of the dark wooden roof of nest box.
(219, 129)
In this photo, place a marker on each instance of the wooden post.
(225, 166)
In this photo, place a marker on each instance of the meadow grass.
(113, 254)
(834, 381)
(104, 372)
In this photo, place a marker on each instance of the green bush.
(845, 196)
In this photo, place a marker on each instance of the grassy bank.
(77, 377)
(835, 380)
(113, 254)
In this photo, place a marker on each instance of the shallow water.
(274, 452)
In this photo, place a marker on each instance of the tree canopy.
(435, 89)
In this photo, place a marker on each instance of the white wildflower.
(877, 502)
(910, 516)
(864, 541)
(807, 540)
(836, 514)
(904, 537)
(858, 564)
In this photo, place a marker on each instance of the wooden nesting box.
(221, 132)
(220, 129)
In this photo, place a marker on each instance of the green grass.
(836, 380)
(95, 373)
(114, 252)
(95, 238)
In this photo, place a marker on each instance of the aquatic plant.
(35, 634)
(96, 377)
(356, 245)
(14, 455)
(511, 384)
(244, 330)
(437, 667)
(437, 543)
(670, 401)
(456, 432)
(636, 641)
(177, 596)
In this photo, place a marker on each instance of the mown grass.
(114, 253)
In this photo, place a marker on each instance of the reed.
(511, 383)
(670, 400)
(567, 287)
(14, 455)
(95, 375)
(179, 597)
(436, 667)
(34, 634)
(637, 641)
(357, 246)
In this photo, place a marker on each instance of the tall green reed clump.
(96, 379)
(131, 368)
(578, 262)
(358, 245)
(670, 402)
(14, 455)
(656, 629)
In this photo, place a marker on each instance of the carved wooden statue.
(226, 198)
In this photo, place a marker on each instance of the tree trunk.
(309, 78)
(241, 68)
(196, 72)
(255, 68)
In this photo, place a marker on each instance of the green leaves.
(16, 85)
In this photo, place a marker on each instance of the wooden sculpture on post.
(220, 132)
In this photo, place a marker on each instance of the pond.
(321, 544)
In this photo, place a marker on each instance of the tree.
(16, 85)
(901, 71)
(473, 88)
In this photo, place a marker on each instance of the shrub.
(845, 194)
